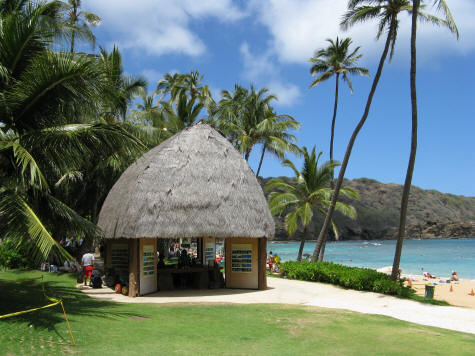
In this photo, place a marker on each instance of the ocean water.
(437, 256)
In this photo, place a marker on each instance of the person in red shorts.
(87, 263)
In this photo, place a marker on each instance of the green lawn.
(105, 328)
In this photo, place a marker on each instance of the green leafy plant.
(363, 279)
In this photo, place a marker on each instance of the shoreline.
(408, 238)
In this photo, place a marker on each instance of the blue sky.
(268, 43)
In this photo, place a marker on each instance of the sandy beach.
(459, 296)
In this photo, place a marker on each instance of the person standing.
(87, 263)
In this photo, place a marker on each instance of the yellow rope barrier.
(55, 302)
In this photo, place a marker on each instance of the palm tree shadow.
(19, 295)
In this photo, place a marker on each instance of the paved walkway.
(283, 291)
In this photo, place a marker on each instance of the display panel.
(241, 258)
(148, 260)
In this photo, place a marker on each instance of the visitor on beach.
(270, 261)
(87, 264)
(454, 277)
(277, 262)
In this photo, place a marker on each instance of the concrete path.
(283, 291)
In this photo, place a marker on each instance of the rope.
(55, 302)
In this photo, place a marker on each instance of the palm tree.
(310, 193)
(241, 116)
(182, 114)
(450, 23)
(122, 88)
(77, 23)
(170, 84)
(275, 138)
(44, 97)
(188, 83)
(336, 60)
(387, 12)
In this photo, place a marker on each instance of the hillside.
(431, 214)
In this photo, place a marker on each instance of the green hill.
(431, 214)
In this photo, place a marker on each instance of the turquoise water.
(437, 256)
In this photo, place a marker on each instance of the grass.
(106, 328)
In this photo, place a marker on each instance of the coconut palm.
(77, 23)
(336, 60)
(310, 193)
(122, 88)
(182, 114)
(387, 12)
(241, 116)
(450, 23)
(190, 84)
(44, 97)
(170, 84)
(275, 138)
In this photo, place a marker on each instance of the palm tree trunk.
(302, 243)
(260, 162)
(72, 42)
(74, 22)
(332, 135)
(412, 156)
(341, 175)
(246, 156)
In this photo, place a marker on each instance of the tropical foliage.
(311, 193)
(334, 61)
(247, 118)
(76, 23)
(386, 12)
(45, 98)
(447, 22)
(70, 123)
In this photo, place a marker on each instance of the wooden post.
(133, 267)
(227, 264)
(108, 255)
(262, 277)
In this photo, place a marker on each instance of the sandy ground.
(283, 291)
(459, 296)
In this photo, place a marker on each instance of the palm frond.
(278, 184)
(22, 223)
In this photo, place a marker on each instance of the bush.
(348, 277)
(12, 256)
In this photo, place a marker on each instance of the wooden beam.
(108, 251)
(262, 276)
(133, 267)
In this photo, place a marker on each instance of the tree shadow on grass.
(25, 291)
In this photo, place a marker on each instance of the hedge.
(348, 277)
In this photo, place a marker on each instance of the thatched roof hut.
(194, 184)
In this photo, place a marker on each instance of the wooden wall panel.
(240, 279)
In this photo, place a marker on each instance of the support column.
(133, 267)
(107, 257)
(262, 276)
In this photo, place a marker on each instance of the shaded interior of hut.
(168, 264)
(196, 263)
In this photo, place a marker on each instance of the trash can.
(429, 292)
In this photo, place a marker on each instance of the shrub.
(348, 277)
(12, 256)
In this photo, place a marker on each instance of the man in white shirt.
(87, 263)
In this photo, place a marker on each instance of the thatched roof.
(194, 184)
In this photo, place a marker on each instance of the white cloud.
(299, 27)
(256, 66)
(287, 94)
(160, 26)
(262, 69)
(152, 76)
